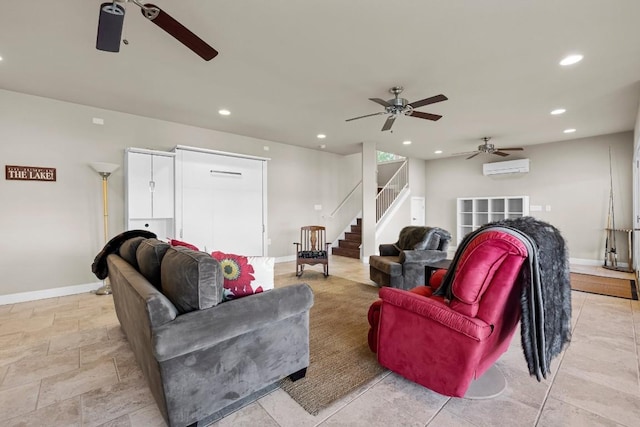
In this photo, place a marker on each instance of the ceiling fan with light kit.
(111, 21)
(400, 106)
(488, 148)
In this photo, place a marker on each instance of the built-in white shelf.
(474, 212)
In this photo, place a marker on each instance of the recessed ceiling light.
(321, 136)
(569, 130)
(571, 59)
(438, 152)
(0, 58)
(406, 142)
(224, 112)
(558, 111)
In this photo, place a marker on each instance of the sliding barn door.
(221, 202)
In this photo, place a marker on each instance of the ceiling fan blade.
(387, 125)
(500, 153)
(472, 156)
(368, 115)
(380, 101)
(427, 101)
(181, 33)
(510, 149)
(427, 116)
(465, 153)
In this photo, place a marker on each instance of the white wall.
(385, 171)
(572, 177)
(51, 231)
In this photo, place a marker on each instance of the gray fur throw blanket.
(546, 289)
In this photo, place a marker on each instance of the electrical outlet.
(548, 208)
(317, 207)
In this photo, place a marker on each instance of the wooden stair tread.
(350, 245)
(346, 252)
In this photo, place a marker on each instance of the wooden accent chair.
(312, 249)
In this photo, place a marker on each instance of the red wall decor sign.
(29, 173)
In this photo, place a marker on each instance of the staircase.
(350, 246)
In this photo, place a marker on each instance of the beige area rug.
(340, 359)
(610, 286)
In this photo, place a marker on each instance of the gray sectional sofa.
(203, 357)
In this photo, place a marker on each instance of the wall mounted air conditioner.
(510, 166)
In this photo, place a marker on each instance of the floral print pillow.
(244, 275)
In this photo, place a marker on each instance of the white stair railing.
(346, 199)
(391, 190)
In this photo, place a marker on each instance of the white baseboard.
(285, 258)
(48, 293)
(593, 262)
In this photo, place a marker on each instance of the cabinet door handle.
(152, 186)
(226, 172)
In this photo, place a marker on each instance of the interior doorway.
(417, 211)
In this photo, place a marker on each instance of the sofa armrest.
(421, 257)
(414, 269)
(435, 310)
(201, 329)
(388, 250)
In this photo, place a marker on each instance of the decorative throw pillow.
(191, 280)
(244, 275)
(149, 256)
(128, 250)
(174, 242)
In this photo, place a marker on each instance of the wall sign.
(29, 173)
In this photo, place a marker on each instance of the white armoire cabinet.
(221, 201)
(149, 191)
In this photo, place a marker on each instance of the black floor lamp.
(105, 169)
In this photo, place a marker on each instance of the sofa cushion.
(245, 275)
(128, 249)
(191, 280)
(149, 256)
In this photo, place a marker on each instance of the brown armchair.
(312, 249)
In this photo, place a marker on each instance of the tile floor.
(64, 362)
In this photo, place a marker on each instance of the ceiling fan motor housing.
(486, 148)
(398, 106)
(110, 23)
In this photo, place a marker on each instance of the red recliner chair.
(445, 344)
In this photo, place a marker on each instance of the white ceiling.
(289, 70)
